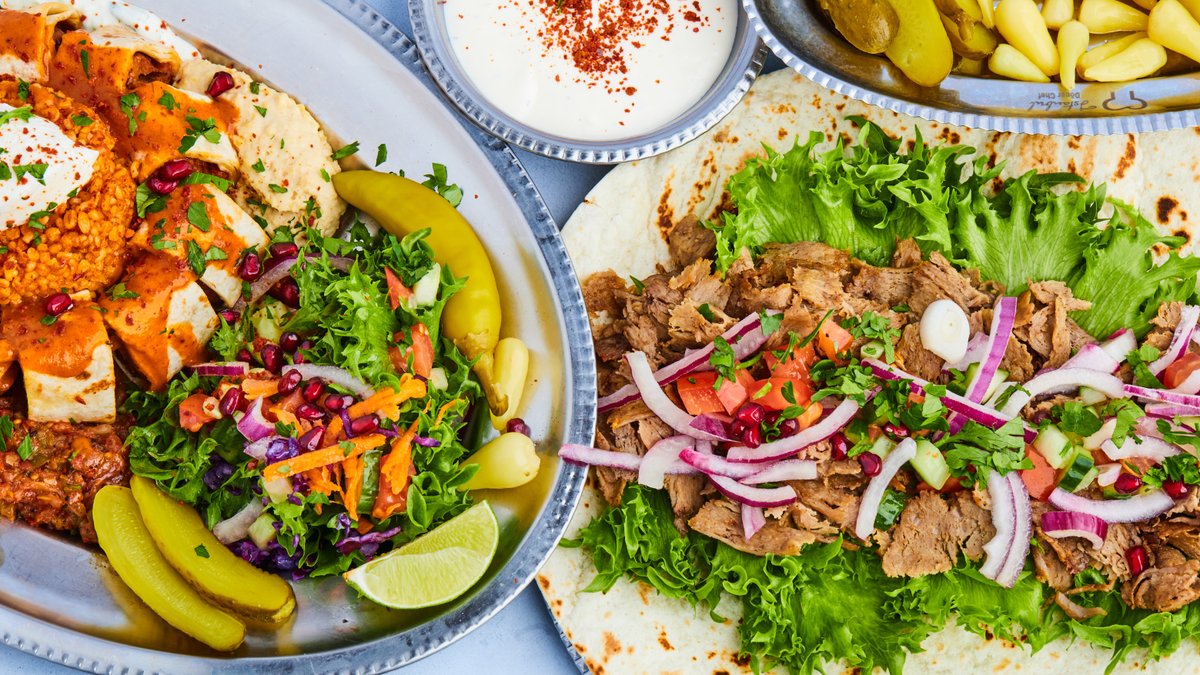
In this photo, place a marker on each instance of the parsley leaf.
(977, 450)
(1139, 359)
(130, 102)
(195, 258)
(872, 326)
(197, 215)
(344, 151)
(1181, 468)
(25, 449)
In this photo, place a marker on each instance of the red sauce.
(61, 349)
(23, 35)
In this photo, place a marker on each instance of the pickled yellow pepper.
(471, 318)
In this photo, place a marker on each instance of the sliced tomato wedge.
(832, 340)
(1181, 369)
(697, 393)
(192, 415)
(421, 351)
(776, 396)
(398, 293)
(1042, 478)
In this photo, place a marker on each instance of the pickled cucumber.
(205, 563)
(133, 554)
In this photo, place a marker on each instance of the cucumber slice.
(930, 465)
(874, 349)
(997, 379)
(1054, 446)
(1091, 396)
(1080, 473)
(882, 447)
(262, 531)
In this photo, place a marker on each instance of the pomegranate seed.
(230, 316)
(738, 428)
(287, 292)
(308, 411)
(272, 358)
(895, 430)
(161, 186)
(284, 249)
(1127, 483)
(251, 267)
(245, 355)
(311, 440)
(300, 349)
(365, 424)
(175, 170)
(517, 426)
(751, 413)
(59, 303)
(289, 382)
(289, 341)
(752, 437)
(231, 401)
(841, 447)
(221, 82)
(1177, 489)
(336, 402)
(789, 427)
(870, 463)
(312, 390)
(1136, 557)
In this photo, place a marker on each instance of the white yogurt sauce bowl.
(578, 135)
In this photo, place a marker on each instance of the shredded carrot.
(331, 454)
(290, 419)
(319, 481)
(386, 402)
(364, 526)
(256, 389)
(395, 465)
(444, 409)
(353, 468)
(334, 430)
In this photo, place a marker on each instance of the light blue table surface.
(521, 639)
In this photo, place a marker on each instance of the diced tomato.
(398, 293)
(421, 351)
(795, 364)
(697, 393)
(734, 394)
(192, 415)
(810, 416)
(1181, 369)
(952, 484)
(832, 339)
(776, 396)
(1042, 478)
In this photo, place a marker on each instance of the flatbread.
(632, 628)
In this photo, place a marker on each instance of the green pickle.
(206, 563)
(132, 553)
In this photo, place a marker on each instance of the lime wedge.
(435, 568)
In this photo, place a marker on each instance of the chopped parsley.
(121, 292)
(381, 154)
(638, 286)
(278, 189)
(344, 151)
(1139, 359)
(23, 90)
(977, 450)
(872, 326)
(85, 60)
(129, 103)
(259, 166)
(197, 129)
(201, 551)
(167, 101)
(1179, 468)
(25, 449)
(21, 114)
(195, 258)
(81, 120)
(262, 112)
(706, 312)
(197, 215)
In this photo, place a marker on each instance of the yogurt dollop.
(40, 166)
(592, 70)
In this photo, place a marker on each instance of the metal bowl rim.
(748, 62)
(1047, 125)
(89, 653)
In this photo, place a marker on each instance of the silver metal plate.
(61, 601)
(745, 61)
(798, 36)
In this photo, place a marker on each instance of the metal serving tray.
(798, 35)
(61, 601)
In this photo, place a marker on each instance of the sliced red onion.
(978, 413)
(753, 520)
(868, 508)
(783, 471)
(1148, 426)
(976, 350)
(333, 375)
(712, 425)
(1149, 447)
(1004, 315)
(754, 496)
(1107, 474)
(1188, 316)
(237, 526)
(704, 447)
(1004, 520)
(745, 337)
(1133, 510)
(1093, 357)
(1119, 344)
(253, 425)
(1102, 434)
(1063, 524)
(786, 447)
(258, 449)
(660, 457)
(1022, 532)
(582, 454)
(1060, 381)
(1191, 385)
(1169, 411)
(1164, 395)
(224, 369)
(715, 465)
(658, 402)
